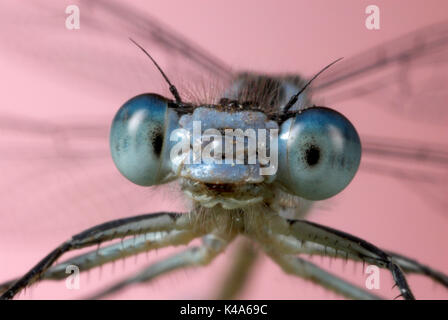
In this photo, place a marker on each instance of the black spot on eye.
(157, 140)
(312, 155)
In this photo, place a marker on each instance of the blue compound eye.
(319, 153)
(139, 139)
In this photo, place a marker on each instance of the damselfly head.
(232, 154)
(259, 138)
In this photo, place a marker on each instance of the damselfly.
(65, 170)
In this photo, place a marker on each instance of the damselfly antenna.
(296, 96)
(173, 89)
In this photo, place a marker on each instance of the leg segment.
(307, 231)
(413, 266)
(103, 232)
(113, 252)
(309, 271)
(408, 265)
(237, 276)
(195, 256)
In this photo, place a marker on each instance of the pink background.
(67, 78)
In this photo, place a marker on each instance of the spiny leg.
(308, 231)
(195, 256)
(107, 231)
(113, 252)
(309, 271)
(408, 265)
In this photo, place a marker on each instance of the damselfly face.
(236, 154)
(62, 88)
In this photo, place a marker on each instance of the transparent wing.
(404, 76)
(109, 61)
(421, 167)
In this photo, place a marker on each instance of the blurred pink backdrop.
(46, 198)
